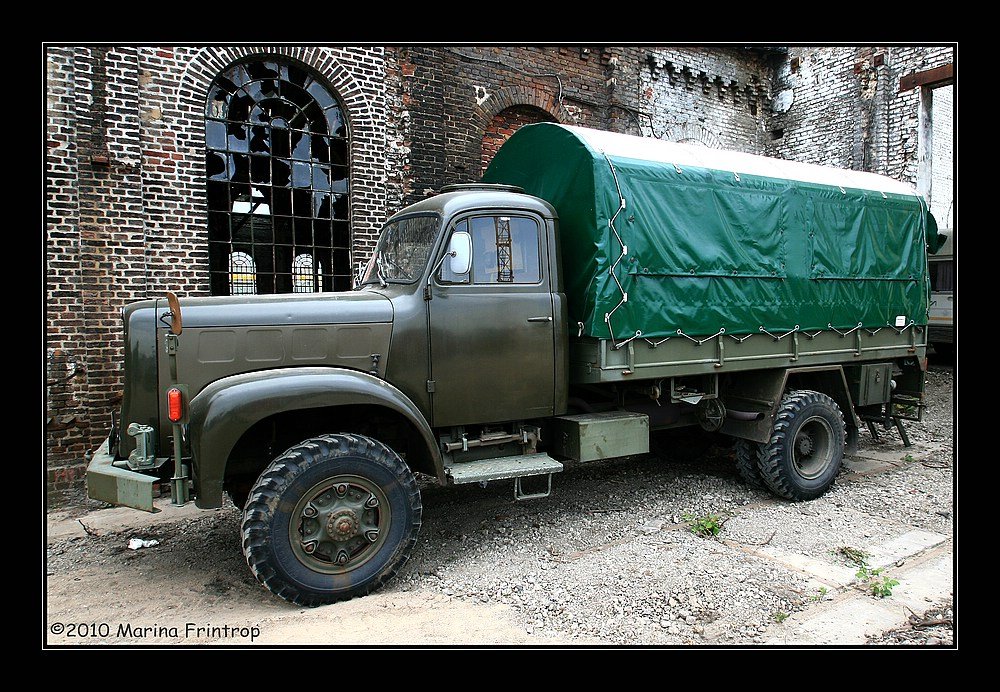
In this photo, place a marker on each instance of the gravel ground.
(608, 558)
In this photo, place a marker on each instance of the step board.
(502, 468)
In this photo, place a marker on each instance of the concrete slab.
(926, 584)
(854, 614)
(826, 572)
(58, 527)
(901, 547)
(843, 622)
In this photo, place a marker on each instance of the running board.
(503, 468)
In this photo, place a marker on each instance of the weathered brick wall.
(942, 188)
(842, 107)
(447, 99)
(716, 97)
(126, 204)
(451, 95)
(903, 107)
(505, 123)
(64, 384)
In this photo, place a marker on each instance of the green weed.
(707, 526)
(881, 584)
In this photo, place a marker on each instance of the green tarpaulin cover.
(659, 237)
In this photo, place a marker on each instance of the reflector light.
(175, 404)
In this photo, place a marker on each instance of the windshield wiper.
(379, 270)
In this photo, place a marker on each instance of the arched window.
(278, 181)
(305, 277)
(242, 274)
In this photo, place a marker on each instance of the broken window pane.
(338, 152)
(320, 148)
(237, 137)
(215, 135)
(300, 146)
(321, 205)
(260, 139)
(281, 172)
(279, 141)
(335, 121)
(217, 166)
(269, 182)
(260, 169)
(323, 97)
(321, 178)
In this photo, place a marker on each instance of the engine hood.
(352, 307)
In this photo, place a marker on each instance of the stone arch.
(694, 133)
(211, 61)
(521, 104)
(504, 124)
(491, 103)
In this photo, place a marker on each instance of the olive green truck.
(593, 289)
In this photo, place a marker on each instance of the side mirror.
(460, 249)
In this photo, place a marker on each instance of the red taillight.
(175, 404)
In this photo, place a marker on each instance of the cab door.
(492, 330)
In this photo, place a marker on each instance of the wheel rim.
(339, 524)
(812, 449)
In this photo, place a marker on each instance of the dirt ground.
(608, 559)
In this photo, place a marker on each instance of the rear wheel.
(332, 518)
(748, 463)
(803, 456)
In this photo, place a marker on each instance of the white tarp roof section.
(651, 149)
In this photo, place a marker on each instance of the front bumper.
(119, 486)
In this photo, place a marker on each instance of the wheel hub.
(805, 445)
(339, 524)
(343, 524)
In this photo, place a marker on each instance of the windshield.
(402, 250)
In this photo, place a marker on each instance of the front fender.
(227, 408)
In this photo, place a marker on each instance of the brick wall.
(451, 95)
(64, 386)
(842, 107)
(504, 124)
(942, 187)
(716, 97)
(126, 205)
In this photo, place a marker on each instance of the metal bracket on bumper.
(119, 486)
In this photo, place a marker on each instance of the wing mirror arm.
(460, 252)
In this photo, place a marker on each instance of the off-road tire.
(805, 420)
(269, 518)
(748, 463)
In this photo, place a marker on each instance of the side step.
(502, 468)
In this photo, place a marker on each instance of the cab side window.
(504, 251)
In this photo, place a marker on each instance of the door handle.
(544, 318)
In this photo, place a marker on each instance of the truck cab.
(483, 345)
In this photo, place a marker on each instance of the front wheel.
(803, 456)
(332, 518)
